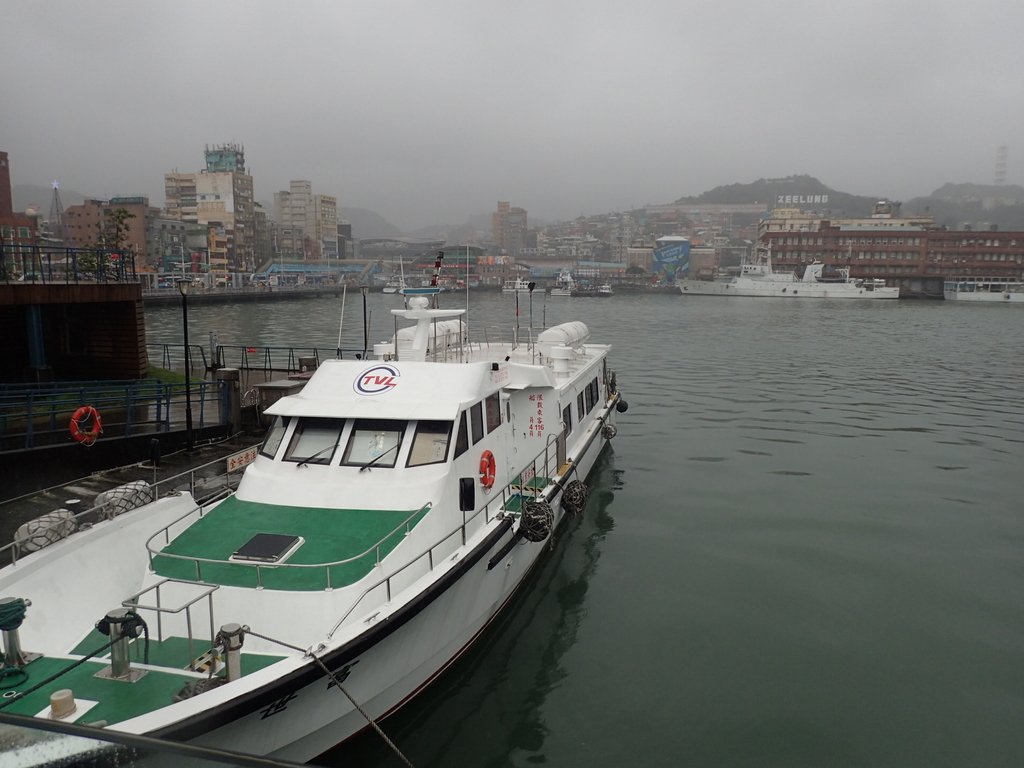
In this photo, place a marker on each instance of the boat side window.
(493, 409)
(580, 412)
(314, 440)
(567, 418)
(595, 393)
(374, 440)
(274, 437)
(476, 418)
(430, 443)
(589, 397)
(462, 439)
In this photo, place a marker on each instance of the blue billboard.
(669, 259)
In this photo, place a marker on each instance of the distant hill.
(475, 229)
(980, 206)
(366, 223)
(766, 190)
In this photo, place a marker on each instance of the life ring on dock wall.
(93, 426)
(488, 468)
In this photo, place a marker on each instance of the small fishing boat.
(396, 283)
(984, 290)
(393, 510)
(520, 285)
(605, 290)
(564, 284)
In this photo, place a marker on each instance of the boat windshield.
(374, 440)
(430, 444)
(314, 440)
(274, 437)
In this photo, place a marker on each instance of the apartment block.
(509, 229)
(220, 198)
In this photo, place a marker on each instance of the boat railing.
(405, 526)
(495, 508)
(185, 605)
(459, 347)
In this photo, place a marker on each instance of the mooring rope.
(12, 613)
(54, 676)
(337, 682)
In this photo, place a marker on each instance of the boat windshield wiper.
(319, 453)
(379, 456)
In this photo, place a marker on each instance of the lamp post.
(183, 287)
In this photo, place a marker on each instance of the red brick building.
(16, 229)
(911, 253)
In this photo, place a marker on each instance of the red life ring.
(488, 468)
(88, 414)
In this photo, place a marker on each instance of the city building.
(291, 213)
(325, 225)
(262, 237)
(910, 252)
(95, 222)
(509, 229)
(346, 245)
(16, 229)
(221, 199)
(307, 223)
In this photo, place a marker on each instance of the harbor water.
(805, 548)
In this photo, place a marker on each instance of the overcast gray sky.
(431, 111)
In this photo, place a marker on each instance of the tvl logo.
(373, 381)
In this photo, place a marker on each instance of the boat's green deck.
(119, 700)
(329, 535)
(170, 652)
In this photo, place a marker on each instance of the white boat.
(392, 511)
(988, 290)
(564, 284)
(396, 283)
(519, 285)
(605, 290)
(757, 278)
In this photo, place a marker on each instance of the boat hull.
(984, 297)
(384, 667)
(784, 289)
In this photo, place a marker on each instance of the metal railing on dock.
(49, 264)
(34, 415)
(247, 357)
(280, 359)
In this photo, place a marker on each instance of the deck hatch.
(267, 547)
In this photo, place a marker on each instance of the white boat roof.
(377, 389)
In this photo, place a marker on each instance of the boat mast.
(341, 320)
